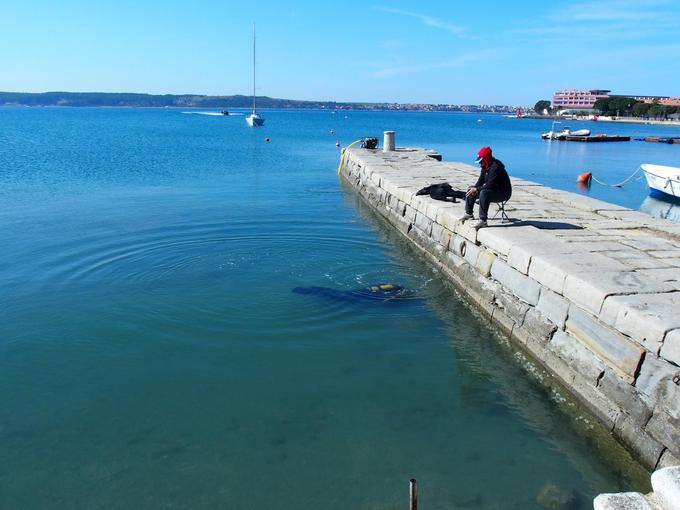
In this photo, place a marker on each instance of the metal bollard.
(388, 141)
(413, 495)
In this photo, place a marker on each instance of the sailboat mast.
(254, 120)
(253, 67)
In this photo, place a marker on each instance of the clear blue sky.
(436, 52)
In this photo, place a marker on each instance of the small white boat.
(664, 179)
(254, 120)
(562, 135)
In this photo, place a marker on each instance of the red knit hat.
(484, 154)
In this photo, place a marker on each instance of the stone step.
(666, 485)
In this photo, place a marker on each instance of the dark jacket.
(442, 191)
(494, 177)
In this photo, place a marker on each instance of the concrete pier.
(589, 289)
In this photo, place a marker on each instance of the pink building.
(577, 99)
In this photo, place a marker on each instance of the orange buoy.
(584, 178)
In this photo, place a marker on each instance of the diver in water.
(379, 292)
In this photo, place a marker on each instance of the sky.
(491, 52)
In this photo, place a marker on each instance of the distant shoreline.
(241, 109)
(134, 100)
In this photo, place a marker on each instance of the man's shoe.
(481, 224)
(466, 217)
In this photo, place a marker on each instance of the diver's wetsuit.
(379, 292)
(493, 185)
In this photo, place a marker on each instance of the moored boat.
(254, 119)
(562, 135)
(663, 179)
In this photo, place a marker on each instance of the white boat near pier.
(664, 179)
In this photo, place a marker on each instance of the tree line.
(622, 106)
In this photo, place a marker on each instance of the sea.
(154, 355)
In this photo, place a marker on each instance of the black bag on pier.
(369, 143)
(442, 191)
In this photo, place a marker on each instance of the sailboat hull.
(254, 120)
(662, 179)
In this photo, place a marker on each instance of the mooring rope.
(342, 158)
(619, 184)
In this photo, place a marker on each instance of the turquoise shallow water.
(152, 354)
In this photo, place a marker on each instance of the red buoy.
(583, 181)
(585, 177)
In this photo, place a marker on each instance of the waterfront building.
(670, 101)
(649, 99)
(577, 99)
(662, 100)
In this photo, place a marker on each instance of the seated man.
(493, 185)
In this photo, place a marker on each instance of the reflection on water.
(657, 207)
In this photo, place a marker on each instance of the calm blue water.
(152, 354)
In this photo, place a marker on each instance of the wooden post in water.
(413, 495)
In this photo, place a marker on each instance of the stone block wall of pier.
(591, 290)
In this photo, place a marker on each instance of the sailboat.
(254, 119)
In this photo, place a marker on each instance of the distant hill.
(201, 101)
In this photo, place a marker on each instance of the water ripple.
(214, 276)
